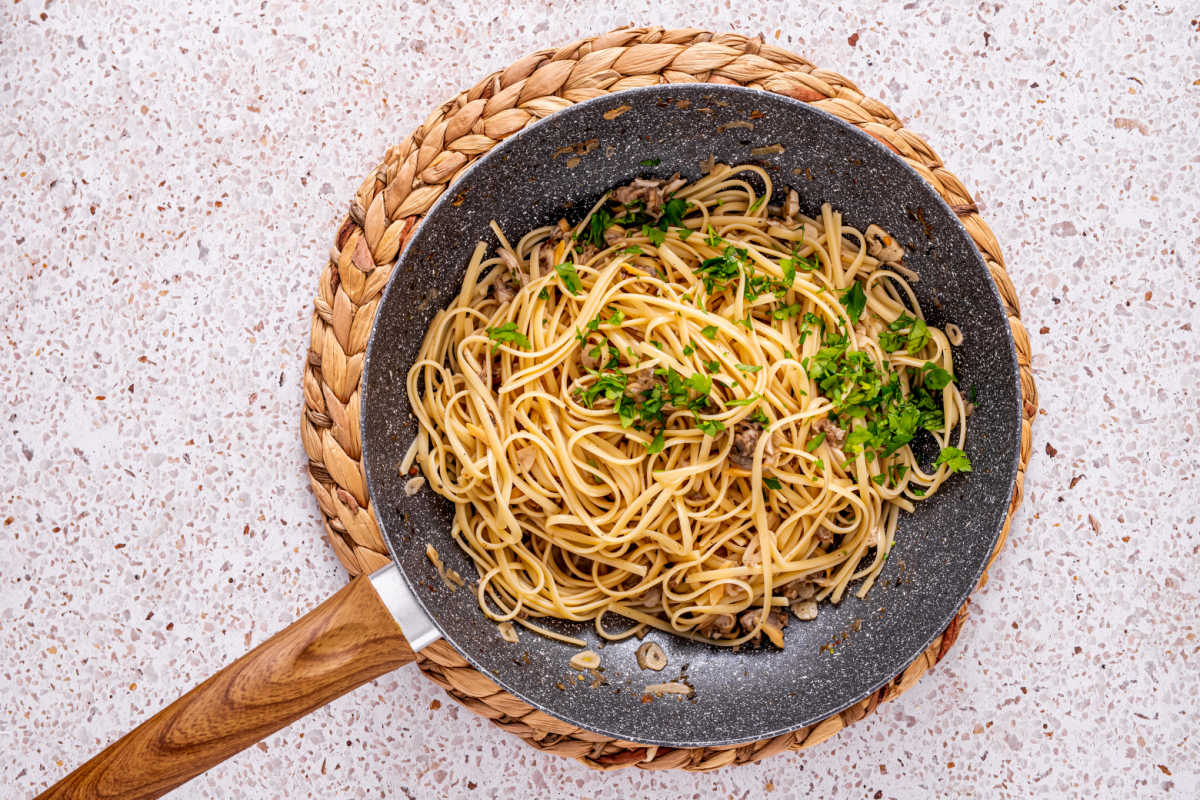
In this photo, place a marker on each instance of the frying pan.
(558, 168)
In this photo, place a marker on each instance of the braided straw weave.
(392, 200)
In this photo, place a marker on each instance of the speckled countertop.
(172, 182)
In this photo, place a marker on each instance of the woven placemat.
(392, 200)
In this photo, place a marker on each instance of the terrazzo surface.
(173, 179)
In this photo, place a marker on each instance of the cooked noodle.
(690, 414)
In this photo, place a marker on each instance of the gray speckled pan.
(560, 167)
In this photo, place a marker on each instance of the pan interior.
(560, 167)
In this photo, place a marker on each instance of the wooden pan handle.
(346, 641)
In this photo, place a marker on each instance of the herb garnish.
(507, 334)
(956, 460)
(570, 277)
(855, 300)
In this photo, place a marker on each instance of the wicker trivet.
(413, 174)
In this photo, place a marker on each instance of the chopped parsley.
(606, 348)
(906, 333)
(772, 483)
(616, 318)
(699, 383)
(855, 300)
(956, 460)
(656, 235)
(709, 331)
(609, 385)
(688, 349)
(544, 294)
(673, 211)
(710, 427)
(593, 234)
(650, 162)
(685, 233)
(507, 334)
(713, 366)
(748, 368)
(569, 277)
(656, 444)
(814, 443)
(758, 203)
(936, 378)
(745, 401)
(789, 271)
(860, 390)
(632, 250)
(719, 271)
(918, 337)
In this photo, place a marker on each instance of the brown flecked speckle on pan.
(943, 546)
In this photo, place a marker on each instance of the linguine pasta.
(692, 410)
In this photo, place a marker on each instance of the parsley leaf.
(685, 233)
(688, 349)
(673, 211)
(757, 203)
(650, 162)
(544, 294)
(772, 483)
(632, 250)
(616, 318)
(918, 337)
(656, 446)
(857, 438)
(890, 342)
(788, 265)
(570, 277)
(712, 239)
(656, 235)
(855, 300)
(787, 311)
(610, 385)
(744, 401)
(814, 443)
(626, 410)
(699, 383)
(953, 458)
(709, 331)
(720, 270)
(507, 333)
(711, 427)
(594, 232)
(936, 378)
(748, 368)
(713, 366)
